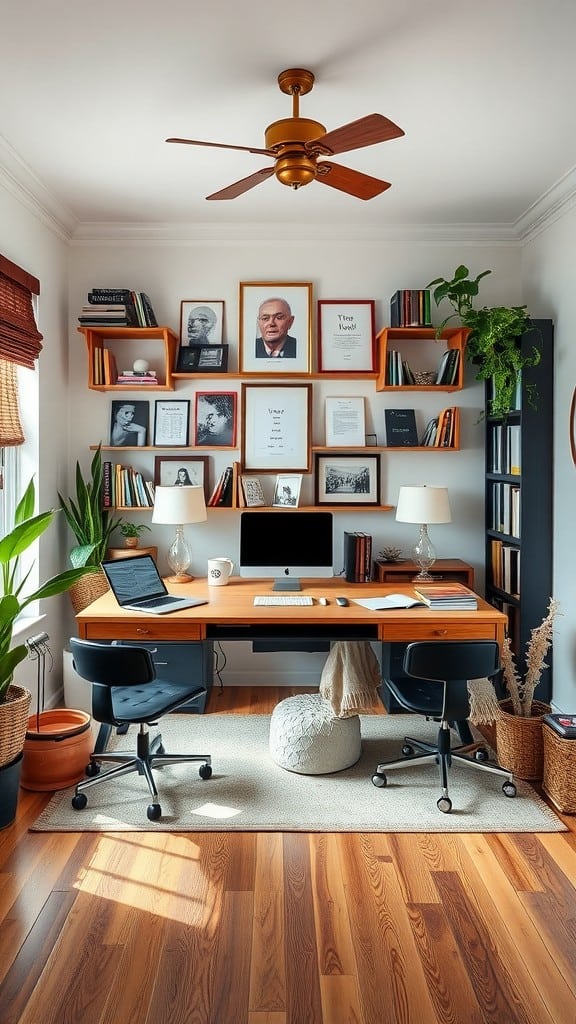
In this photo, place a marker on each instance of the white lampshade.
(179, 505)
(423, 504)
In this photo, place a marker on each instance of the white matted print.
(287, 491)
(275, 327)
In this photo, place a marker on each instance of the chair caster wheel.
(444, 804)
(481, 755)
(79, 801)
(379, 780)
(407, 750)
(92, 769)
(205, 771)
(509, 789)
(154, 812)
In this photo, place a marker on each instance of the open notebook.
(137, 585)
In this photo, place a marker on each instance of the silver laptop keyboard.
(282, 600)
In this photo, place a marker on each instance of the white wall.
(548, 275)
(338, 268)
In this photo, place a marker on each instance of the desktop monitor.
(286, 545)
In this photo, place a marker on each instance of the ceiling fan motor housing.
(288, 138)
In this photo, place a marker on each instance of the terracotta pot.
(130, 542)
(56, 750)
(519, 741)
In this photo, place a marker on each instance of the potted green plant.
(131, 533)
(92, 526)
(493, 342)
(14, 598)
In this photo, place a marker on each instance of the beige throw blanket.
(350, 678)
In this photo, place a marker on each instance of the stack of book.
(447, 596)
(357, 557)
(117, 307)
(124, 487)
(410, 308)
(440, 431)
(137, 377)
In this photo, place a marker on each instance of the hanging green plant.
(493, 343)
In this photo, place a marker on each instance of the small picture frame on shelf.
(181, 471)
(287, 491)
(201, 322)
(215, 422)
(171, 423)
(275, 327)
(345, 422)
(129, 424)
(343, 479)
(252, 490)
(346, 336)
(202, 359)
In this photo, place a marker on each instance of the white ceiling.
(484, 90)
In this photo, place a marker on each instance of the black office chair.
(126, 691)
(436, 685)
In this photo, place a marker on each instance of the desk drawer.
(138, 629)
(436, 631)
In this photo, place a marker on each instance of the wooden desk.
(230, 614)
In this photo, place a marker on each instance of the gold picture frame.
(287, 331)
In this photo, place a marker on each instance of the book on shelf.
(139, 373)
(222, 492)
(110, 371)
(445, 429)
(401, 428)
(357, 557)
(429, 435)
(448, 367)
(447, 596)
(410, 307)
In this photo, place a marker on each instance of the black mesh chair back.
(127, 691)
(436, 686)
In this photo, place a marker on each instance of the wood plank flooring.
(270, 928)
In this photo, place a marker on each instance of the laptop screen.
(134, 579)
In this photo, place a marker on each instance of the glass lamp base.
(423, 577)
(181, 577)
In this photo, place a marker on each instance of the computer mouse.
(323, 600)
(342, 601)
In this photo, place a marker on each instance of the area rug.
(248, 792)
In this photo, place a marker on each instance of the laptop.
(137, 585)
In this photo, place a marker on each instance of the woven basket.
(425, 377)
(559, 779)
(87, 589)
(14, 722)
(519, 741)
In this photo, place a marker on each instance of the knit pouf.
(305, 736)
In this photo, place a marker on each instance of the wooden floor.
(269, 928)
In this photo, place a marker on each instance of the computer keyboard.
(273, 601)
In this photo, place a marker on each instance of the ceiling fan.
(296, 145)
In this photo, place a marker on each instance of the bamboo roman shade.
(20, 343)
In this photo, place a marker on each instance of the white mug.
(219, 571)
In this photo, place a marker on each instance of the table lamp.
(176, 506)
(424, 505)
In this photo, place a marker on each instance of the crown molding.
(21, 182)
(554, 203)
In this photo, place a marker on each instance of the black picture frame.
(202, 359)
(344, 479)
(135, 435)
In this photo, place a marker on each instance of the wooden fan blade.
(367, 131)
(363, 186)
(222, 145)
(231, 191)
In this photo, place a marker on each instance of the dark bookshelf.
(519, 493)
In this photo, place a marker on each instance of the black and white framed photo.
(252, 490)
(275, 327)
(215, 422)
(346, 335)
(201, 322)
(342, 479)
(202, 359)
(171, 423)
(181, 471)
(129, 424)
(276, 427)
(345, 422)
(287, 490)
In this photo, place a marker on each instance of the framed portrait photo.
(275, 327)
(287, 490)
(201, 322)
(202, 359)
(129, 424)
(171, 423)
(215, 421)
(346, 336)
(342, 479)
(276, 427)
(181, 471)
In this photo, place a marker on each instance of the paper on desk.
(377, 604)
